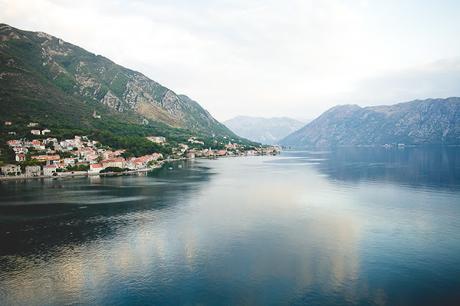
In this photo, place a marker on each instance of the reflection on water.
(436, 167)
(371, 227)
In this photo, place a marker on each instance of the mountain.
(47, 80)
(431, 121)
(263, 130)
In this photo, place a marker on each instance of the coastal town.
(43, 156)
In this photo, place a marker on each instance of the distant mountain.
(47, 80)
(431, 121)
(263, 130)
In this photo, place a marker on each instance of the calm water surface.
(350, 227)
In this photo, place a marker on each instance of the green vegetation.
(6, 154)
(45, 89)
(78, 168)
(64, 82)
(113, 169)
(31, 162)
(118, 84)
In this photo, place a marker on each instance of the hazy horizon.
(264, 58)
(278, 164)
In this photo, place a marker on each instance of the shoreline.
(107, 174)
(74, 175)
(82, 174)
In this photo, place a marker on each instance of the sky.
(267, 58)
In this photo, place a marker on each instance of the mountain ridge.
(429, 121)
(261, 129)
(85, 76)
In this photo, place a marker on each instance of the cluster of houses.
(50, 156)
(53, 156)
(35, 131)
(231, 149)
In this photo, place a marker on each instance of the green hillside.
(59, 85)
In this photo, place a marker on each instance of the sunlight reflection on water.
(348, 228)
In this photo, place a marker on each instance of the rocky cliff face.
(92, 78)
(431, 121)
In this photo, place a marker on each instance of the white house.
(194, 140)
(20, 157)
(11, 169)
(157, 139)
(95, 168)
(35, 132)
(49, 170)
(69, 161)
(33, 171)
(18, 150)
(114, 162)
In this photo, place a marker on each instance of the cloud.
(253, 57)
(439, 79)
